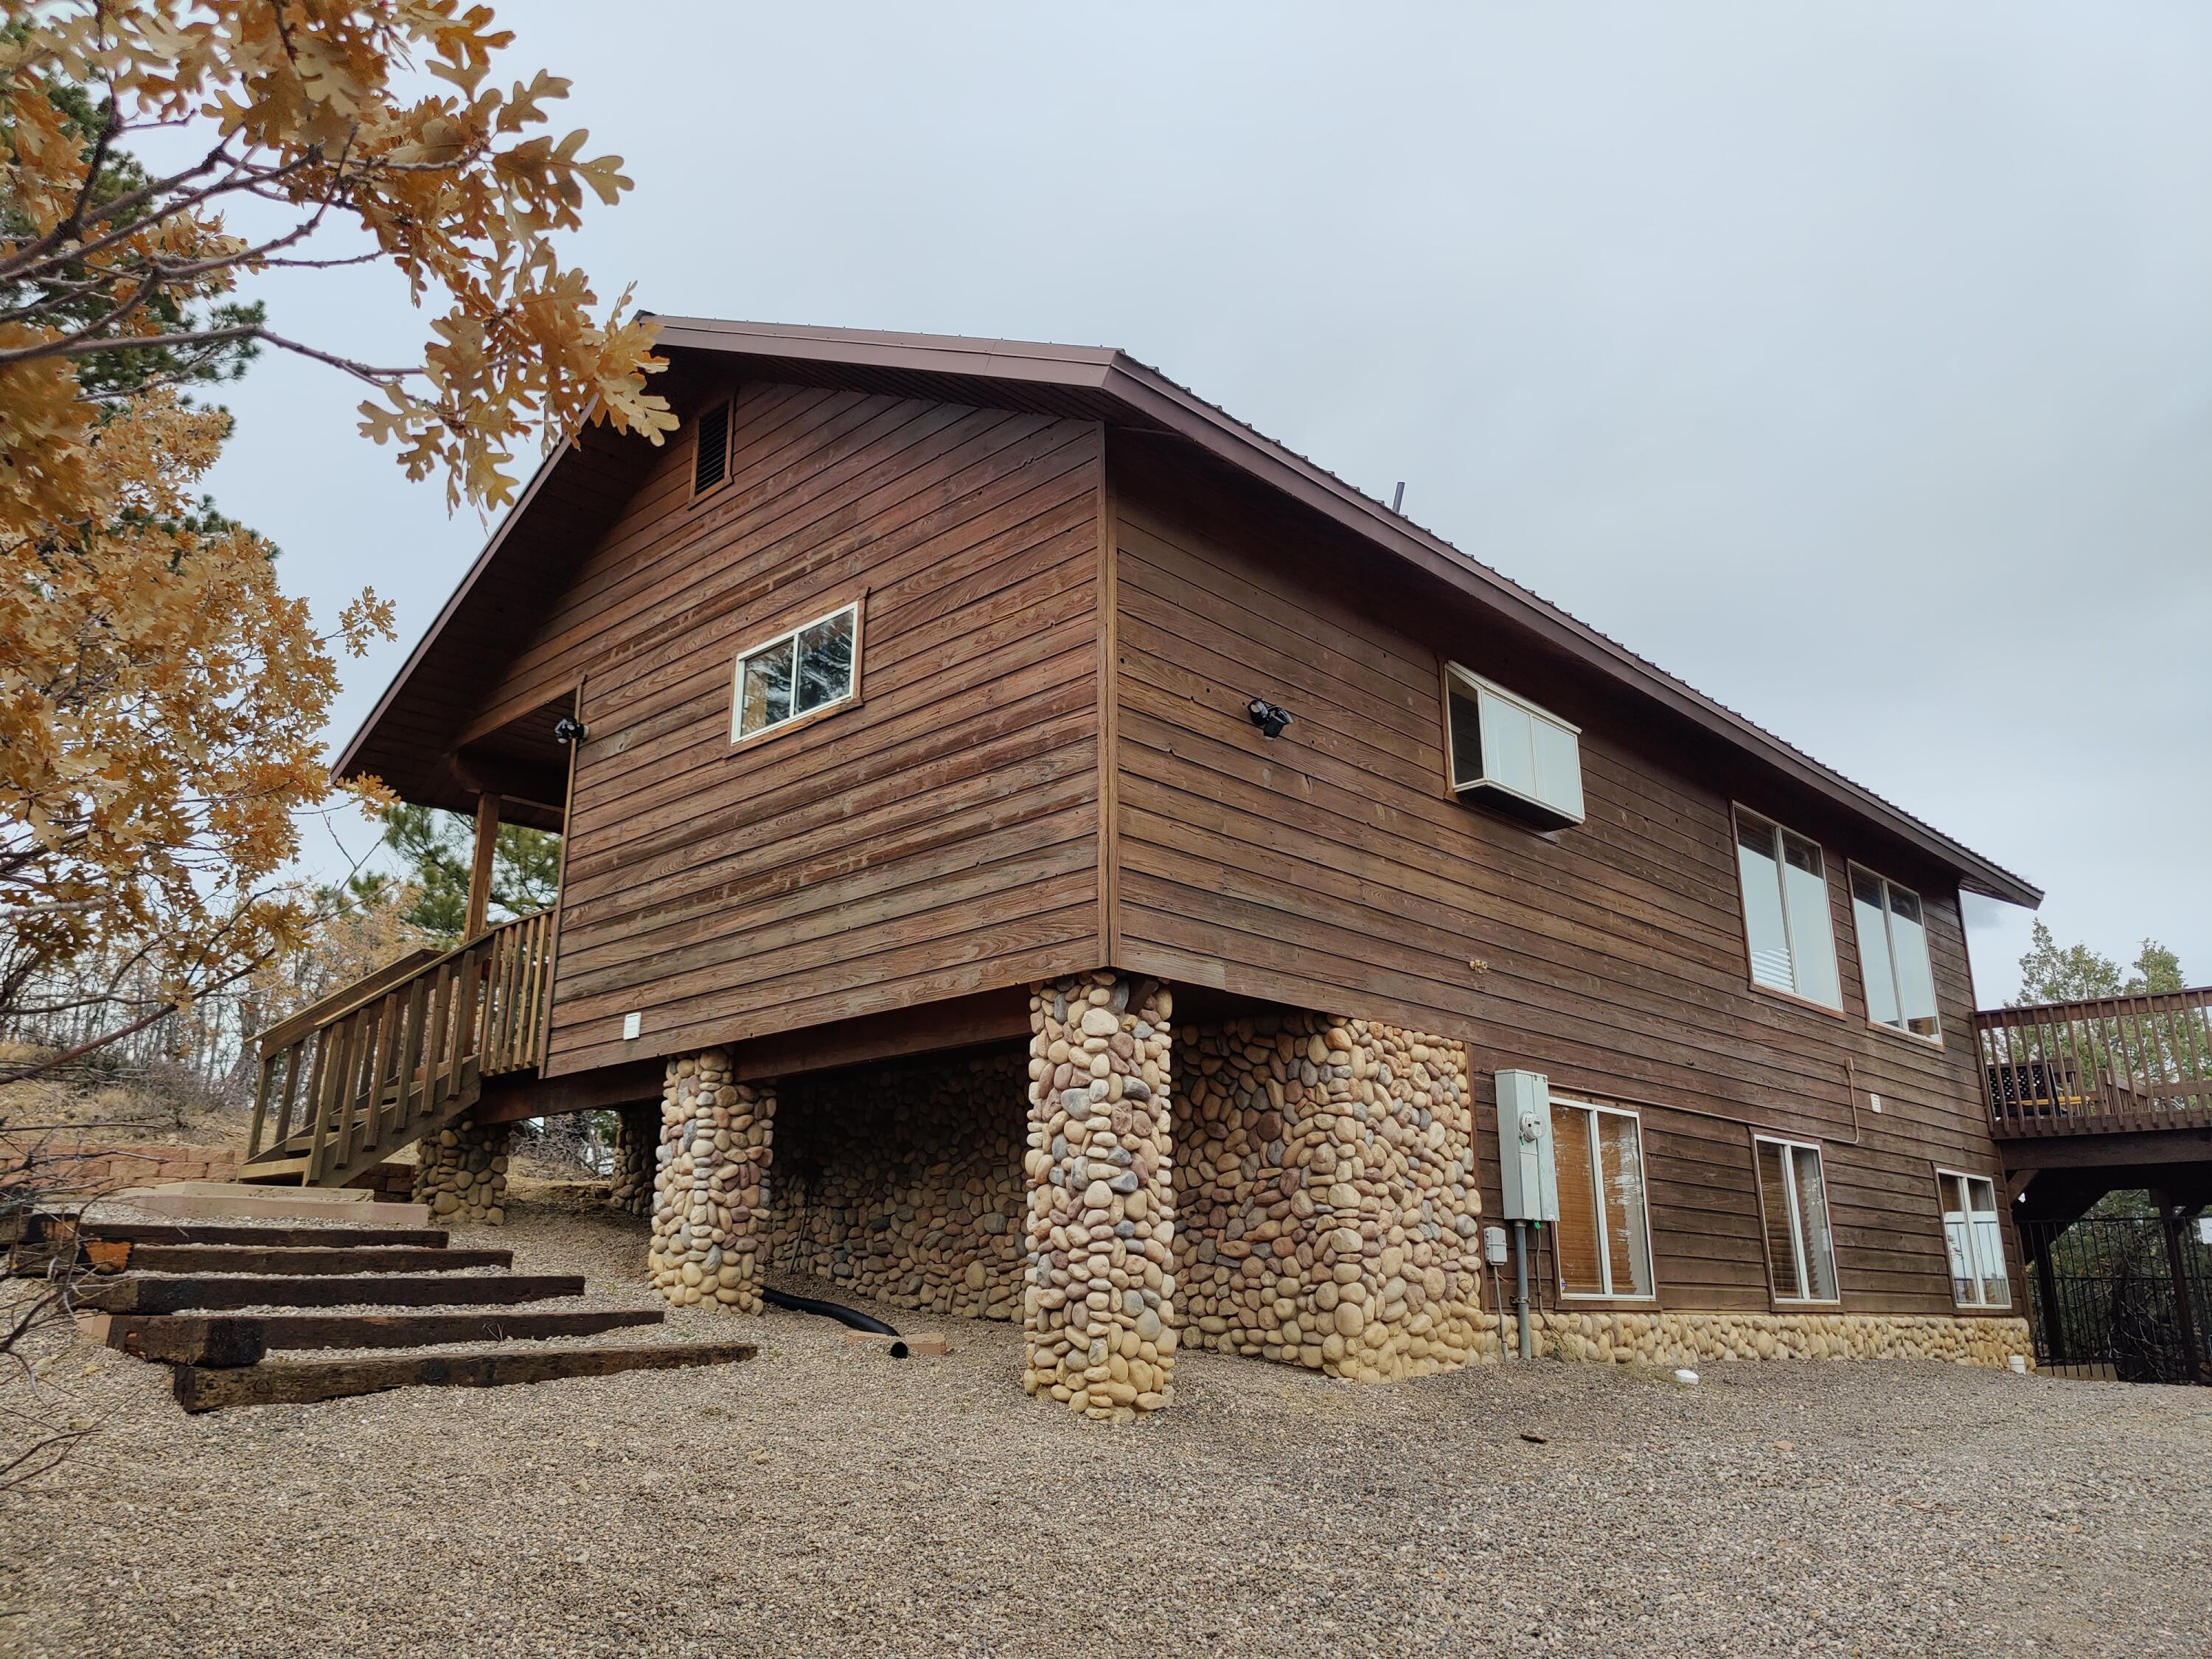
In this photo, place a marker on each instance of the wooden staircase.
(163, 1292)
(402, 1055)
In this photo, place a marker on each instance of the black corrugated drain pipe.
(837, 1310)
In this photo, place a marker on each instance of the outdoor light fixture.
(1267, 717)
(569, 729)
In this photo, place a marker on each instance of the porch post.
(1098, 1308)
(479, 905)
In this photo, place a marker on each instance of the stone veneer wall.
(637, 1146)
(1688, 1339)
(461, 1172)
(1326, 1196)
(1098, 1311)
(710, 1189)
(903, 1182)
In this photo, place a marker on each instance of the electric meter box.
(1525, 1171)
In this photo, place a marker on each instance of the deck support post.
(487, 844)
(710, 1214)
(1097, 1309)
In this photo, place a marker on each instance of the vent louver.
(710, 462)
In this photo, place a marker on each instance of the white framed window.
(1974, 1238)
(1786, 925)
(1602, 1240)
(1900, 986)
(1793, 1190)
(1505, 751)
(813, 668)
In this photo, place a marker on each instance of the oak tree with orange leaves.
(161, 700)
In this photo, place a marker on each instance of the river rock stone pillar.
(637, 1138)
(1097, 1310)
(710, 1196)
(461, 1172)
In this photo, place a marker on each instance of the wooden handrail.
(2098, 1064)
(379, 1062)
(345, 1000)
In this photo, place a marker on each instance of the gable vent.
(710, 462)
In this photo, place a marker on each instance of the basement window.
(710, 453)
(1602, 1239)
(1506, 753)
(809, 670)
(1973, 1237)
(1801, 1250)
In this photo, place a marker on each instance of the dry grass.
(823, 1499)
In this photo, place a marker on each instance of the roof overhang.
(1107, 385)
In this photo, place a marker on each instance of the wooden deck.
(2129, 1065)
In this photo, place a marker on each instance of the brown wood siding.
(938, 837)
(1331, 868)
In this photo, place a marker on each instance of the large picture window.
(1800, 1246)
(811, 669)
(1900, 987)
(1785, 911)
(1973, 1237)
(1507, 752)
(1603, 1236)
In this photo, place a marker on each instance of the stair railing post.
(411, 1060)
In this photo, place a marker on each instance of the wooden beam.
(291, 1382)
(224, 1340)
(509, 1099)
(152, 1233)
(423, 1330)
(480, 871)
(311, 1261)
(133, 1294)
(965, 1022)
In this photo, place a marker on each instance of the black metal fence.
(2124, 1298)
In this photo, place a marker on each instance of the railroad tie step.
(266, 1238)
(230, 1340)
(298, 1382)
(320, 1261)
(134, 1293)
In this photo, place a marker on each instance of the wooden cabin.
(1036, 848)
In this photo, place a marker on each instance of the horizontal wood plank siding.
(939, 837)
(1332, 868)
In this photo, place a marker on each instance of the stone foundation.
(1326, 1196)
(903, 1182)
(710, 1190)
(461, 1173)
(1691, 1338)
(1099, 1306)
(637, 1142)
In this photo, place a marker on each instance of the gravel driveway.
(823, 1499)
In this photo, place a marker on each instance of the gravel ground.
(823, 1499)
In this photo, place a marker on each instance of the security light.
(569, 729)
(1267, 717)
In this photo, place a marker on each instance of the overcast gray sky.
(1854, 362)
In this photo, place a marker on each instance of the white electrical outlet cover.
(632, 1026)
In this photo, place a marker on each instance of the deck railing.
(363, 1072)
(2102, 1064)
